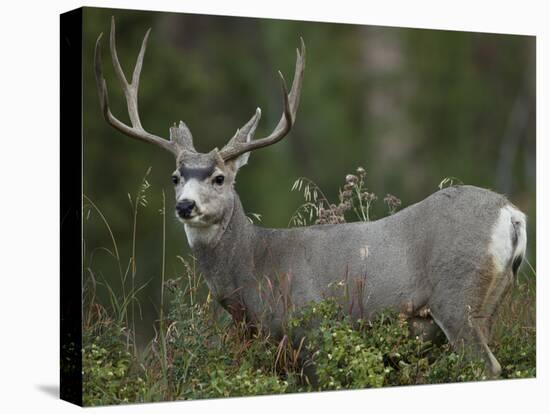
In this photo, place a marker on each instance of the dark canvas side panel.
(71, 202)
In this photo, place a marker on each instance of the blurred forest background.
(412, 106)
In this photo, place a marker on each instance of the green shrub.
(450, 366)
(208, 356)
(107, 368)
(381, 353)
(242, 381)
(516, 353)
(338, 352)
(514, 342)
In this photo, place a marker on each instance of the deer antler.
(180, 137)
(242, 142)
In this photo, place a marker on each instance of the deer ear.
(236, 163)
(243, 136)
(241, 160)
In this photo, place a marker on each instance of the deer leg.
(465, 318)
(481, 328)
(466, 332)
(493, 299)
(308, 370)
(424, 328)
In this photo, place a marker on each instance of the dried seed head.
(369, 197)
(392, 200)
(351, 179)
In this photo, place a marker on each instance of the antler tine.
(290, 107)
(130, 93)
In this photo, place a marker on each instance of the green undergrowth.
(203, 354)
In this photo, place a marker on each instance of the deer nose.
(185, 207)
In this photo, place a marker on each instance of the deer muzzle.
(185, 208)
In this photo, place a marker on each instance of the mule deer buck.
(448, 259)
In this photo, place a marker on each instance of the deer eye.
(218, 179)
(175, 179)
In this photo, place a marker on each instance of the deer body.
(449, 258)
(436, 255)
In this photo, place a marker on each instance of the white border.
(29, 163)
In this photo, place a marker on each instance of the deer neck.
(223, 250)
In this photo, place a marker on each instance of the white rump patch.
(510, 221)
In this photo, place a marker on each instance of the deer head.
(203, 181)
